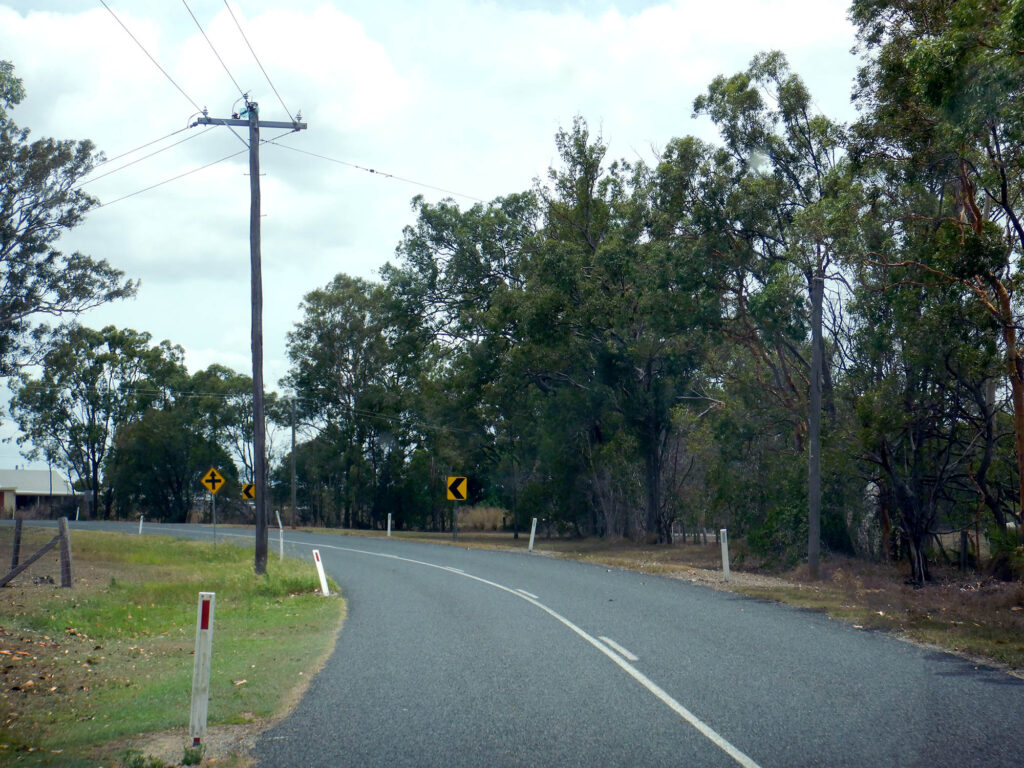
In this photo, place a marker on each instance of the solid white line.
(622, 651)
(710, 733)
(528, 594)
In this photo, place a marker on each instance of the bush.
(1007, 562)
(782, 538)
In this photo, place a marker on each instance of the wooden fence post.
(65, 553)
(16, 552)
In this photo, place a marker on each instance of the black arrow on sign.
(453, 489)
(212, 480)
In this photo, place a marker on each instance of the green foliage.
(193, 755)
(782, 538)
(39, 201)
(92, 382)
(132, 758)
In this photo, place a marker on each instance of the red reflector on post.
(204, 621)
(316, 554)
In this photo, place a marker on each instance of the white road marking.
(710, 733)
(528, 594)
(622, 651)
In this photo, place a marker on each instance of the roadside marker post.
(201, 668)
(389, 525)
(725, 553)
(320, 572)
(141, 518)
(280, 536)
(533, 532)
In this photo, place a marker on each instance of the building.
(35, 492)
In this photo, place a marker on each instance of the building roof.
(35, 482)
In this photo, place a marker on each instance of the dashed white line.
(528, 594)
(710, 733)
(622, 651)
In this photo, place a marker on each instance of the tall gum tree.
(941, 92)
(791, 211)
(615, 310)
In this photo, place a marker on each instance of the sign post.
(280, 537)
(389, 525)
(201, 668)
(533, 532)
(212, 481)
(456, 492)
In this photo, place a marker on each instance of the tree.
(92, 383)
(941, 93)
(351, 373)
(39, 201)
(157, 460)
(615, 310)
(793, 212)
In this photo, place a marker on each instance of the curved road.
(456, 657)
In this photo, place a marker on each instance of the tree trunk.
(652, 466)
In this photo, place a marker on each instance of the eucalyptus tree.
(459, 280)
(352, 372)
(40, 199)
(943, 106)
(615, 312)
(791, 213)
(925, 358)
(156, 462)
(91, 384)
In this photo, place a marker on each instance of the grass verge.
(85, 669)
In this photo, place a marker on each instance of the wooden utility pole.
(293, 462)
(259, 459)
(814, 428)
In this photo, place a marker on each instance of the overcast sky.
(456, 94)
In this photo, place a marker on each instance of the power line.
(175, 178)
(378, 173)
(200, 26)
(141, 146)
(242, 32)
(144, 157)
(187, 173)
(175, 84)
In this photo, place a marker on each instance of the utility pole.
(259, 437)
(814, 427)
(293, 462)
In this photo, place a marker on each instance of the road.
(458, 657)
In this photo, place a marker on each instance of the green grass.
(113, 657)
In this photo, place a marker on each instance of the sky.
(464, 98)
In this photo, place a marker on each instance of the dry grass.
(481, 519)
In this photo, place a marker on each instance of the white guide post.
(141, 518)
(389, 525)
(280, 537)
(725, 553)
(201, 670)
(320, 571)
(533, 532)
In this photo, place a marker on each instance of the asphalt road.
(456, 657)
